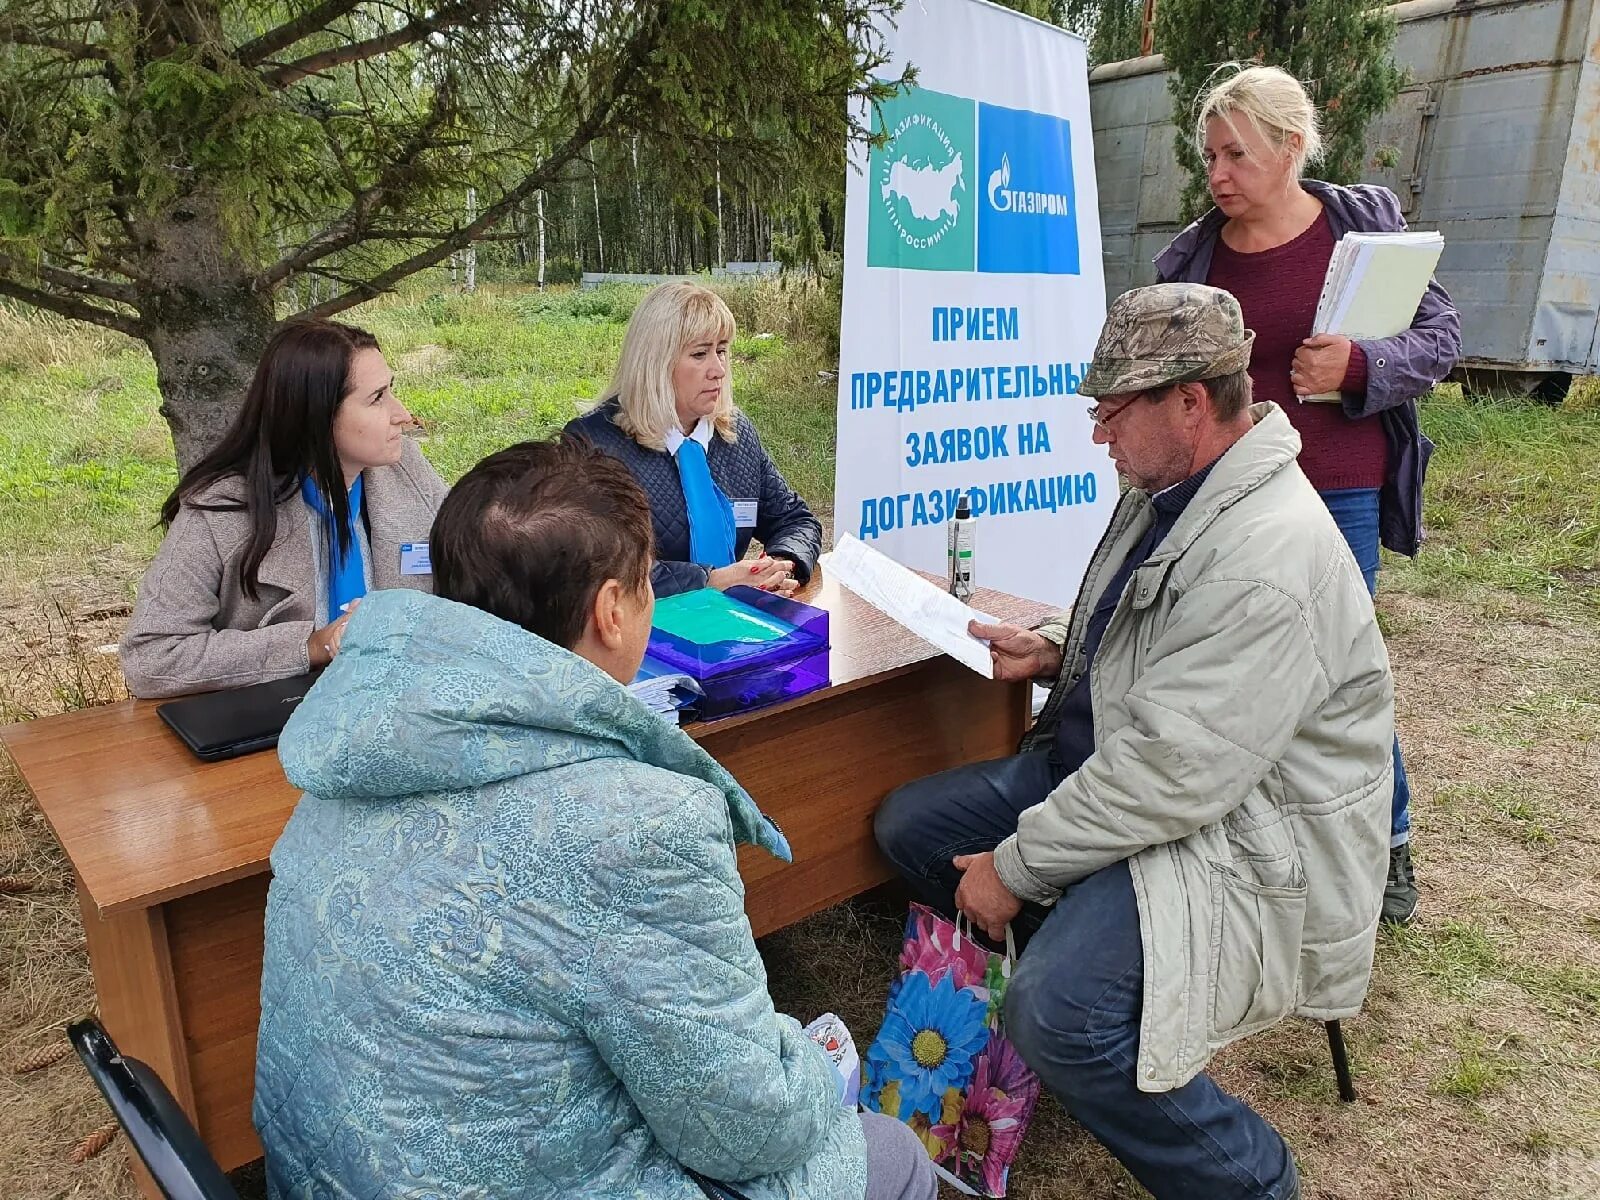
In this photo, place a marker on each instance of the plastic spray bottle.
(962, 536)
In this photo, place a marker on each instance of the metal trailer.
(1495, 143)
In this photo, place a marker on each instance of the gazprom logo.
(1005, 199)
(957, 185)
(1029, 224)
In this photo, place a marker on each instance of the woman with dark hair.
(312, 498)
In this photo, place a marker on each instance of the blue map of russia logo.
(1028, 216)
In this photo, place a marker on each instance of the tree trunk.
(519, 225)
(577, 237)
(541, 241)
(470, 254)
(205, 325)
(646, 253)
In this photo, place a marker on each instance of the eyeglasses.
(1102, 418)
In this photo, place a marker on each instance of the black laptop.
(218, 725)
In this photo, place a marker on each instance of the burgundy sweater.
(1278, 290)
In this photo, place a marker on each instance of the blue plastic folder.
(746, 648)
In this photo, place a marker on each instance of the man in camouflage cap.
(1193, 839)
(1170, 333)
(1154, 339)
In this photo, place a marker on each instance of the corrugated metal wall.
(1497, 144)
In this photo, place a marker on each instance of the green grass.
(1504, 804)
(1476, 1072)
(85, 459)
(1513, 500)
(1458, 958)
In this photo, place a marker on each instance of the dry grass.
(44, 983)
(50, 663)
(32, 340)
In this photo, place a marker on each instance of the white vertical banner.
(973, 296)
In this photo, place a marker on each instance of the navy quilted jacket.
(743, 469)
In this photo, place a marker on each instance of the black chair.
(1341, 1063)
(159, 1130)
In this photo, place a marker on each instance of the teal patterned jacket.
(506, 946)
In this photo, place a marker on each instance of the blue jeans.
(1355, 512)
(1073, 1006)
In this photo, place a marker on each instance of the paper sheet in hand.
(900, 593)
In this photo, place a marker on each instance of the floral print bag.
(940, 1062)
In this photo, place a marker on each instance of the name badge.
(414, 559)
(744, 514)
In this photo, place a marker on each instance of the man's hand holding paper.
(1018, 653)
(928, 611)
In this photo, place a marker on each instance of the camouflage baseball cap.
(1169, 333)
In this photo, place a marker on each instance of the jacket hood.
(427, 695)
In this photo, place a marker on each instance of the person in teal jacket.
(506, 946)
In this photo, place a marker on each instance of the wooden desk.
(171, 853)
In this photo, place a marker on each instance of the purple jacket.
(1399, 369)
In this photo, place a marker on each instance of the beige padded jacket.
(1244, 718)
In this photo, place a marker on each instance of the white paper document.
(663, 692)
(1374, 283)
(904, 596)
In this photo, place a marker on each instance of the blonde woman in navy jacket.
(669, 416)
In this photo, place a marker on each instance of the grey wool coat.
(195, 630)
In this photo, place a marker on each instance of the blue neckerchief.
(347, 575)
(711, 527)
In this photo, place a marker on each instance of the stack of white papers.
(932, 614)
(662, 691)
(1375, 282)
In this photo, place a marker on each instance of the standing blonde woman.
(668, 415)
(1268, 241)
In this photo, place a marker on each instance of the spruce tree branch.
(10, 35)
(88, 260)
(69, 281)
(307, 23)
(595, 125)
(347, 229)
(415, 30)
(68, 306)
(442, 249)
(427, 235)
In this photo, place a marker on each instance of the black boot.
(1400, 892)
